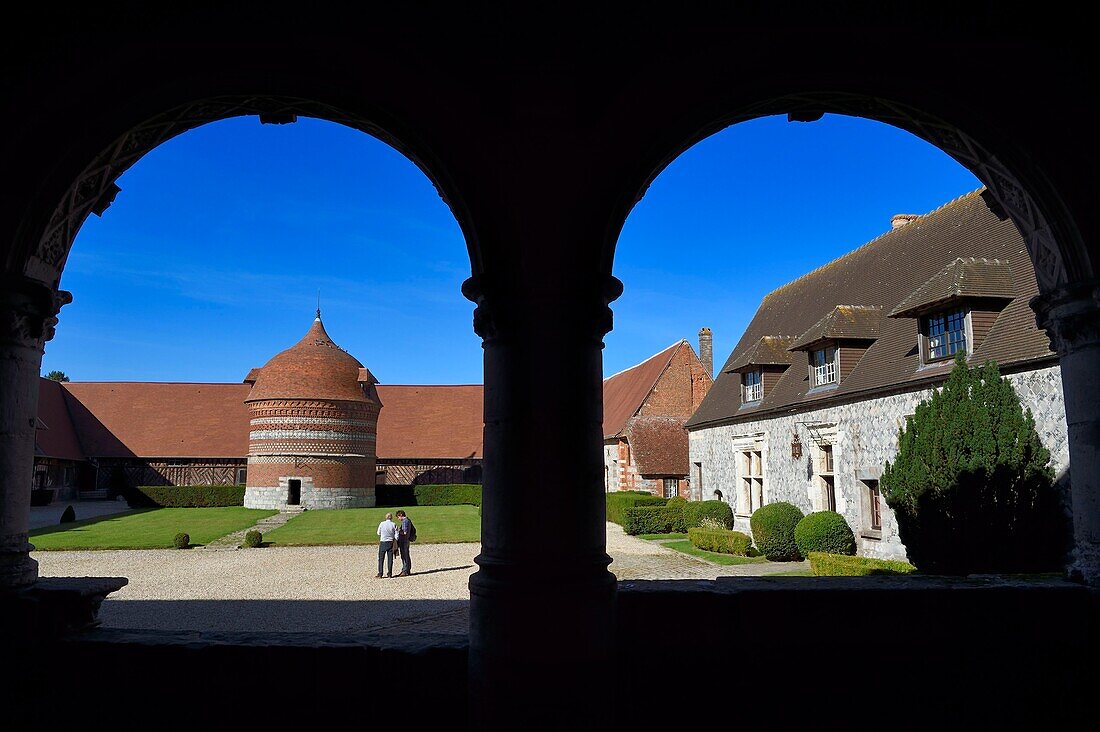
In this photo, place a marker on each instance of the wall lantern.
(796, 445)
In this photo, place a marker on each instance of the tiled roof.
(965, 277)
(624, 392)
(166, 420)
(313, 368)
(431, 421)
(882, 273)
(659, 445)
(767, 351)
(842, 322)
(55, 437)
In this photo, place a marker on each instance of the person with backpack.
(406, 532)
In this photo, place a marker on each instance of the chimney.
(706, 350)
(900, 220)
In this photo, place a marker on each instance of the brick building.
(313, 417)
(645, 408)
(808, 406)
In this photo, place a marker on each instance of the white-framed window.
(823, 366)
(242, 475)
(751, 388)
(672, 487)
(751, 487)
(945, 334)
(872, 504)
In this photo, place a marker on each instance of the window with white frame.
(945, 334)
(823, 366)
(872, 505)
(751, 388)
(826, 478)
(672, 487)
(751, 494)
(242, 475)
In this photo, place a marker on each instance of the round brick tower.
(313, 413)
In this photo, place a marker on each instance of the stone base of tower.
(309, 496)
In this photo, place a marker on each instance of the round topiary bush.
(824, 531)
(68, 515)
(773, 531)
(253, 539)
(718, 512)
(182, 540)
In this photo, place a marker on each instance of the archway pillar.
(542, 601)
(1071, 317)
(28, 311)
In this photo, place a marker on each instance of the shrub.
(653, 520)
(773, 531)
(619, 501)
(971, 487)
(718, 511)
(457, 494)
(182, 540)
(725, 542)
(824, 531)
(253, 539)
(840, 565)
(677, 501)
(68, 515)
(184, 496)
(394, 495)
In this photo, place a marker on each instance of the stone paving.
(232, 542)
(326, 589)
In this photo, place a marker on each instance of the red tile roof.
(142, 419)
(659, 445)
(55, 437)
(624, 392)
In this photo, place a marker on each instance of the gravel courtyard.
(325, 589)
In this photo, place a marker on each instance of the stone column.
(28, 312)
(542, 601)
(1071, 317)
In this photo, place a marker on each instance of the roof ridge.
(646, 360)
(865, 245)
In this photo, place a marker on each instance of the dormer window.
(752, 390)
(944, 334)
(823, 366)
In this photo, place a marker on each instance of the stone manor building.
(808, 406)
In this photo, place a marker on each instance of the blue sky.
(210, 259)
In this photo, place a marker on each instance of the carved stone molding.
(503, 312)
(1070, 316)
(28, 311)
(95, 187)
(1056, 262)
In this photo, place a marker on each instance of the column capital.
(28, 310)
(1070, 315)
(505, 308)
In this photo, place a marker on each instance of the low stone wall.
(311, 497)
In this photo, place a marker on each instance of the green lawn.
(434, 525)
(147, 528)
(662, 537)
(686, 547)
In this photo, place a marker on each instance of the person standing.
(387, 534)
(405, 534)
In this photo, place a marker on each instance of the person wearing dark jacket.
(404, 536)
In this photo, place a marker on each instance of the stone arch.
(93, 190)
(1052, 239)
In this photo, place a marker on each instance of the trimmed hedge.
(824, 531)
(184, 496)
(253, 539)
(723, 542)
(451, 494)
(696, 511)
(181, 541)
(653, 520)
(619, 501)
(839, 565)
(773, 531)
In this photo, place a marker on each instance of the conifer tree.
(972, 487)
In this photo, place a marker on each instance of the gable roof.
(882, 273)
(658, 444)
(768, 351)
(860, 322)
(55, 436)
(964, 277)
(625, 392)
(179, 420)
